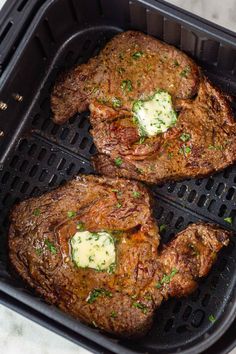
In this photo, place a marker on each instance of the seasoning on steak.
(122, 299)
(201, 138)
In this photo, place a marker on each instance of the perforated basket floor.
(41, 155)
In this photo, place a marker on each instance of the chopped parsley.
(212, 318)
(126, 85)
(93, 295)
(136, 194)
(118, 161)
(119, 205)
(170, 155)
(137, 55)
(121, 70)
(162, 227)
(71, 214)
(185, 137)
(50, 246)
(140, 306)
(167, 278)
(37, 212)
(38, 251)
(141, 140)
(216, 147)
(229, 220)
(176, 63)
(116, 102)
(184, 150)
(185, 71)
(111, 268)
(113, 314)
(80, 226)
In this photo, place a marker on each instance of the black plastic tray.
(37, 155)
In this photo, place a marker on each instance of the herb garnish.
(119, 205)
(71, 214)
(113, 314)
(229, 220)
(136, 194)
(170, 155)
(142, 139)
(216, 147)
(111, 268)
(167, 278)
(38, 251)
(185, 71)
(50, 246)
(80, 226)
(126, 85)
(95, 293)
(137, 55)
(140, 306)
(176, 63)
(185, 137)
(118, 161)
(212, 318)
(162, 227)
(37, 212)
(184, 150)
(120, 70)
(116, 102)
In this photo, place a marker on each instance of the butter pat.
(93, 250)
(155, 115)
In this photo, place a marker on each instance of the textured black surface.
(38, 155)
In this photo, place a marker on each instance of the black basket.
(38, 40)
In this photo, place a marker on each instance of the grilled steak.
(154, 115)
(119, 286)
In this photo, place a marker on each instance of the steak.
(121, 300)
(130, 70)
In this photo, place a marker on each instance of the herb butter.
(155, 115)
(93, 250)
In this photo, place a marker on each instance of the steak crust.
(143, 276)
(133, 66)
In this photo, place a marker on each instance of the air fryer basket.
(37, 155)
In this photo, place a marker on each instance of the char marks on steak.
(39, 236)
(133, 66)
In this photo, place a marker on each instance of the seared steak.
(126, 75)
(120, 299)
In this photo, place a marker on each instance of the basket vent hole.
(51, 159)
(43, 175)
(42, 154)
(182, 191)
(23, 145)
(222, 210)
(206, 299)
(74, 139)
(187, 313)
(168, 325)
(201, 201)
(81, 170)
(214, 282)
(230, 194)
(83, 143)
(179, 222)
(198, 182)
(220, 189)
(159, 212)
(32, 149)
(211, 205)
(52, 181)
(24, 187)
(23, 166)
(5, 31)
(5, 177)
(14, 161)
(15, 182)
(61, 164)
(197, 318)
(92, 149)
(33, 171)
(195, 295)
(227, 172)
(192, 196)
(177, 307)
(70, 169)
(55, 129)
(22, 5)
(171, 187)
(182, 329)
(210, 184)
(82, 122)
(35, 192)
(36, 119)
(64, 134)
